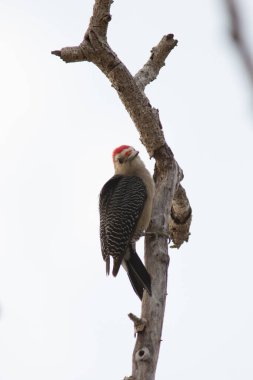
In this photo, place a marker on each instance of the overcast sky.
(61, 317)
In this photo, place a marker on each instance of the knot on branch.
(99, 52)
(179, 232)
(139, 323)
(163, 257)
(180, 218)
(142, 355)
(106, 18)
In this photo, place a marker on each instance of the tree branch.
(94, 48)
(100, 18)
(139, 323)
(146, 118)
(157, 262)
(151, 69)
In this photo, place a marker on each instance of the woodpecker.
(125, 206)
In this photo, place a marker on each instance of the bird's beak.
(133, 155)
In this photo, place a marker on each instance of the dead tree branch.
(151, 69)
(95, 48)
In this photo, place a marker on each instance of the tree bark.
(169, 194)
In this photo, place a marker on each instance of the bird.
(125, 206)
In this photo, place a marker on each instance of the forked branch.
(95, 48)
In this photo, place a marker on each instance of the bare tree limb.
(94, 48)
(157, 262)
(151, 69)
(139, 323)
(238, 37)
(100, 18)
(146, 118)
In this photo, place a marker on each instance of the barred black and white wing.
(121, 203)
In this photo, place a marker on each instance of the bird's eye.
(121, 160)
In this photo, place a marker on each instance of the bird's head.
(125, 159)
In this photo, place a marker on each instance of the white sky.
(61, 318)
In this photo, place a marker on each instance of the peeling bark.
(170, 201)
(180, 218)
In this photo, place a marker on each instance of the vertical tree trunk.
(95, 48)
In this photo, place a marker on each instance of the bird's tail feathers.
(138, 274)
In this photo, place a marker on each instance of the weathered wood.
(180, 218)
(94, 48)
(156, 61)
(157, 261)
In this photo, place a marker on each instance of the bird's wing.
(121, 203)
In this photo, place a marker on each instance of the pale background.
(61, 318)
